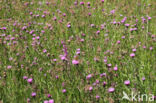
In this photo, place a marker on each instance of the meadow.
(77, 51)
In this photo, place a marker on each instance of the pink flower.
(33, 94)
(132, 55)
(46, 101)
(143, 78)
(102, 1)
(64, 91)
(151, 48)
(127, 82)
(97, 96)
(25, 77)
(104, 83)
(51, 101)
(111, 89)
(89, 76)
(29, 80)
(98, 32)
(76, 62)
(81, 3)
(9, 67)
(90, 88)
(134, 50)
(115, 68)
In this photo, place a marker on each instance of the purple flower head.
(134, 50)
(64, 91)
(81, 3)
(151, 48)
(49, 96)
(102, 1)
(90, 88)
(104, 83)
(68, 25)
(57, 77)
(89, 14)
(44, 50)
(51, 101)
(112, 11)
(149, 18)
(97, 81)
(25, 77)
(143, 78)
(97, 96)
(75, 3)
(29, 80)
(127, 82)
(54, 18)
(64, 14)
(103, 75)
(63, 57)
(75, 62)
(92, 25)
(33, 94)
(118, 42)
(127, 25)
(98, 32)
(46, 101)
(111, 89)
(132, 55)
(88, 76)
(109, 65)
(88, 3)
(115, 68)
(9, 66)
(3, 28)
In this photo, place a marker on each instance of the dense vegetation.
(67, 51)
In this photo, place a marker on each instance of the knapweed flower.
(44, 50)
(51, 101)
(134, 50)
(115, 68)
(98, 32)
(104, 83)
(68, 25)
(25, 77)
(29, 80)
(33, 94)
(132, 55)
(64, 91)
(103, 75)
(118, 42)
(88, 3)
(63, 57)
(97, 96)
(57, 77)
(46, 101)
(92, 25)
(151, 48)
(81, 3)
(127, 25)
(127, 82)
(49, 96)
(90, 88)
(102, 1)
(109, 65)
(9, 66)
(88, 76)
(111, 89)
(143, 78)
(75, 62)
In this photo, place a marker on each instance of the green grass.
(26, 56)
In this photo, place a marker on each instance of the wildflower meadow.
(77, 51)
